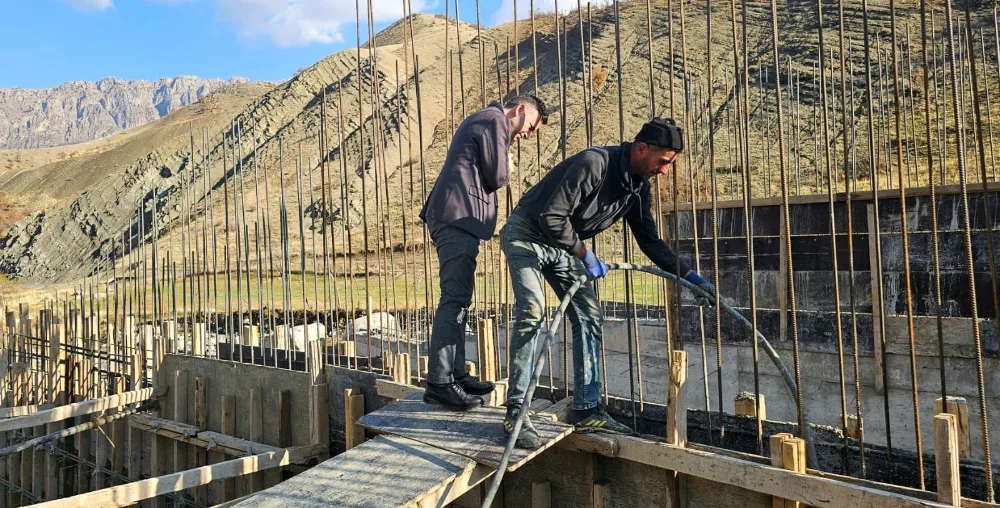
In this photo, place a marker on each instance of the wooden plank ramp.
(477, 434)
(388, 471)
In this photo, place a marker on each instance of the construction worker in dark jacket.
(460, 211)
(543, 240)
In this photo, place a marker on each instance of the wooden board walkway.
(476, 434)
(389, 471)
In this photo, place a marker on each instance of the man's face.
(651, 160)
(524, 120)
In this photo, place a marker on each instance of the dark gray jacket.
(464, 194)
(586, 194)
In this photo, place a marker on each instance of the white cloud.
(90, 5)
(301, 22)
(505, 12)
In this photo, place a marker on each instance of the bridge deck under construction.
(428, 456)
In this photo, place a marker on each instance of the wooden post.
(487, 353)
(958, 407)
(775, 442)
(401, 369)
(602, 494)
(422, 363)
(470, 368)
(273, 477)
(118, 433)
(251, 335)
(256, 417)
(354, 408)
(200, 421)
(676, 405)
(198, 336)
(541, 495)
(316, 360)
(793, 458)
(228, 428)
(168, 329)
(57, 396)
(946, 455)
(876, 298)
(746, 405)
(180, 393)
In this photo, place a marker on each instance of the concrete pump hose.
(554, 328)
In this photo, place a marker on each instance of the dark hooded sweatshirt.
(586, 194)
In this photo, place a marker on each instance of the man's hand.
(595, 267)
(702, 284)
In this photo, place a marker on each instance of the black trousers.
(457, 251)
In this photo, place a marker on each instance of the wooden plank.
(602, 494)
(812, 490)
(676, 399)
(256, 420)
(477, 434)
(777, 459)
(395, 390)
(354, 409)
(793, 458)
(118, 433)
(541, 495)
(228, 428)
(201, 422)
(386, 471)
(319, 402)
(487, 354)
(960, 408)
(146, 489)
(946, 455)
(86, 407)
(558, 412)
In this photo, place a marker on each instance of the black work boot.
(528, 438)
(451, 396)
(472, 386)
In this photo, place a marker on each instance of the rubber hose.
(557, 318)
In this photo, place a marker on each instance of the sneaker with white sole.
(598, 420)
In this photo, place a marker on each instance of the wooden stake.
(676, 405)
(541, 495)
(958, 407)
(946, 455)
(200, 421)
(228, 428)
(602, 494)
(180, 393)
(256, 417)
(793, 458)
(775, 442)
(487, 353)
(746, 405)
(354, 408)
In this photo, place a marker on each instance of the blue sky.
(47, 42)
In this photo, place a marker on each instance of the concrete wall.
(227, 378)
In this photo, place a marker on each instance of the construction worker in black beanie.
(543, 240)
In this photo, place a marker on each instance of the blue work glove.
(704, 285)
(595, 267)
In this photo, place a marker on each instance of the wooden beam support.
(812, 490)
(124, 495)
(86, 407)
(487, 352)
(960, 408)
(395, 390)
(946, 455)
